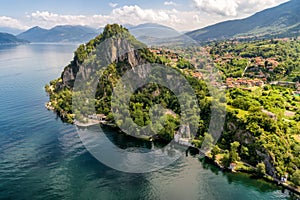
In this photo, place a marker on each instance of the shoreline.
(267, 178)
(90, 122)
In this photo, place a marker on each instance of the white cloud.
(251, 6)
(11, 23)
(136, 15)
(47, 19)
(234, 8)
(170, 3)
(213, 11)
(113, 5)
(221, 7)
(126, 14)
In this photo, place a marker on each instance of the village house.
(197, 75)
(174, 57)
(245, 82)
(232, 166)
(270, 114)
(99, 117)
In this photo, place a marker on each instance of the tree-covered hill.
(106, 51)
(262, 122)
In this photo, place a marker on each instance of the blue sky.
(180, 14)
(8, 7)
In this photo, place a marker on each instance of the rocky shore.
(267, 177)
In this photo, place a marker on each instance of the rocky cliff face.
(247, 139)
(95, 69)
(110, 50)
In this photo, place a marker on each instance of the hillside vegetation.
(270, 60)
(262, 122)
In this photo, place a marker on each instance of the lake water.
(43, 158)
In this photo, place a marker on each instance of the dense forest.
(262, 121)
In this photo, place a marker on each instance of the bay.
(43, 158)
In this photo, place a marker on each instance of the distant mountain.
(156, 34)
(100, 30)
(9, 30)
(34, 34)
(6, 38)
(62, 34)
(280, 21)
(153, 30)
(128, 26)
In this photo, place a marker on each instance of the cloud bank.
(11, 23)
(200, 13)
(123, 15)
(234, 8)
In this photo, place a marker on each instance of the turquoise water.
(43, 158)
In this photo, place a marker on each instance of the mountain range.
(147, 33)
(280, 21)
(7, 39)
(61, 34)
(154, 30)
(13, 31)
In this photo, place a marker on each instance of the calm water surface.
(43, 158)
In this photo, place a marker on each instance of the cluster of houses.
(257, 63)
(223, 59)
(197, 75)
(174, 57)
(243, 82)
(269, 63)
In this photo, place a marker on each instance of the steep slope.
(283, 20)
(100, 51)
(111, 54)
(6, 38)
(152, 34)
(59, 34)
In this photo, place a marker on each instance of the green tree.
(296, 177)
(261, 169)
(225, 161)
(215, 151)
(233, 154)
(244, 151)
